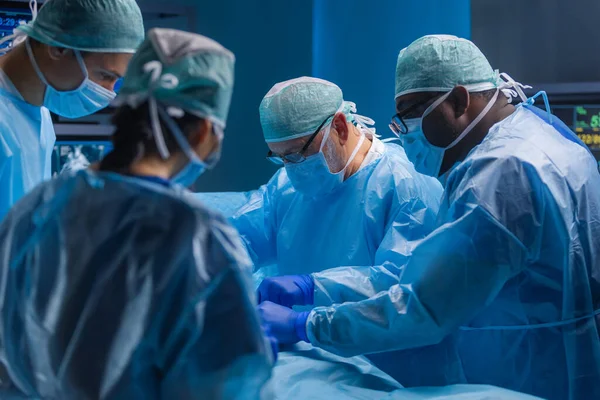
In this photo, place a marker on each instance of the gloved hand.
(285, 324)
(290, 290)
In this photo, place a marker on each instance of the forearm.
(352, 284)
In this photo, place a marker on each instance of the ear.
(57, 53)
(198, 133)
(460, 100)
(340, 124)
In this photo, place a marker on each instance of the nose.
(110, 85)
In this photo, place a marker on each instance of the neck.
(17, 67)
(360, 156)
(501, 110)
(155, 166)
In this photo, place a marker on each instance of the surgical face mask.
(426, 157)
(312, 177)
(88, 98)
(196, 167)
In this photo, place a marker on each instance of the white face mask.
(88, 98)
(426, 157)
(313, 177)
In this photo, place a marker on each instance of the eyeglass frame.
(282, 159)
(402, 129)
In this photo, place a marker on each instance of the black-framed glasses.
(297, 156)
(397, 124)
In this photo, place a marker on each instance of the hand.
(290, 290)
(285, 324)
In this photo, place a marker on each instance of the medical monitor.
(12, 13)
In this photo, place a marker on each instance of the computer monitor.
(13, 13)
(67, 149)
(584, 120)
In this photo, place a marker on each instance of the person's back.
(117, 283)
(151, 299)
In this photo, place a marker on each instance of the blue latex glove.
(290, 290)
(285, 324)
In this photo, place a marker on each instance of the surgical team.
(463, 256)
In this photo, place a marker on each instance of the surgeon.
(342, 198)
(117, 283)
(511, 273)
(66, 61)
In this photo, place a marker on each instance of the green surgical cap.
(295, 108)
(438, 63)
(100, 26)
(182, 70)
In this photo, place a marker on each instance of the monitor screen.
(584, 120)
(11, 15)
(68, 154)
(539, 42)
(587, 125)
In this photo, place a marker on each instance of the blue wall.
(353, 43)
(272, 41)
(356, 43)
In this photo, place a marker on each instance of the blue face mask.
(312, 177)
(196, 167)
(426, 157)
(88, 98)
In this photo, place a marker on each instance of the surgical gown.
(120, 288)
(371, 219)
(510, 277)
(370, 225)
(26, 143)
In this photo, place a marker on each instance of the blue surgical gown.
(121, 288)
(369, 225)
(26, 143)
(509, 279)
(371, 219)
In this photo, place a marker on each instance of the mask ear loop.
(155, 69)
(180, 138)
(473, 123)
(329, 126)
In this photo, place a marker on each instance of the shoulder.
(215, 232)
(506, 185)
(402, 178)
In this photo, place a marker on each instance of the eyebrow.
(112, 72)
(411, 106)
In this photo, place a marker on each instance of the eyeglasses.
(297, 156)
(397, 124)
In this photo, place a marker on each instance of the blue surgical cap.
(438, 63)
(102, 26)
(181, 70)
(295, 108)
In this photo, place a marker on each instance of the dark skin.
(451, 117)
